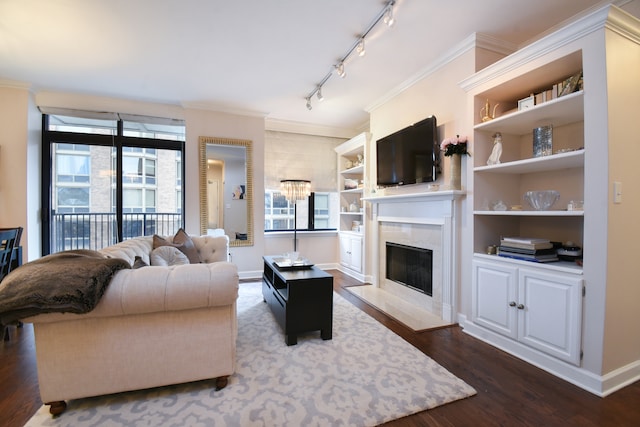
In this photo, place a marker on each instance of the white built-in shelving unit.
(553, 314)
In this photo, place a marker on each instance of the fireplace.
(426, 222)
(410, 266)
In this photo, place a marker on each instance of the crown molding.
(308, 128)
(14, 84)
(473, 41)
(624, 24)
(219, 108)
(491, 43)
(609, 16)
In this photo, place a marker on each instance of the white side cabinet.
(537, 308)
(351, 251)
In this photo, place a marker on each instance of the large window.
(111, 178)
(315, 213)
(309, 157)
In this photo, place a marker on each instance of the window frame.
(122, 144)
(310, 221)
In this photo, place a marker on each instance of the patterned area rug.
(366, 375)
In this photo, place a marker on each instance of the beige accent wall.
(621, 338)
(15, 104)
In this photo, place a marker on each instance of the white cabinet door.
(351, 252)
(494, 297)
(550, 313)
(356, 254)
(345, 250)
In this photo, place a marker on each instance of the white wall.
(214, 124)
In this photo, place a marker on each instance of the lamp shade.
(295, 189)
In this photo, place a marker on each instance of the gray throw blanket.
(69, 281)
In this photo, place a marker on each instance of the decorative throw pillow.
(139, 263)
(183, 243)
(189, 249)
(167, 256)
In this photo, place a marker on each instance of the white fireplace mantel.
(431, 195)
(439, 208)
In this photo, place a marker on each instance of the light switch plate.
(617, 192)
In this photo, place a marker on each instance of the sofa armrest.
(156, 289)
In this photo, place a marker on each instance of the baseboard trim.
(351, 273)
(620, 378)
(600, 385)
(257, 274)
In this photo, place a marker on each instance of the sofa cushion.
(167, 256)
(184, 244)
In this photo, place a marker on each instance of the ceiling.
(255, 57)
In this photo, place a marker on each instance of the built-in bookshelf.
(352, 167)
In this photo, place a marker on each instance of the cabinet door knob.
(512, 304)
(520, 306)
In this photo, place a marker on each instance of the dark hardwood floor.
(510, 392)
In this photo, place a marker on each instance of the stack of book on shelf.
(527, 249)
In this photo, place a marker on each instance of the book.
(547, 254)
(526, 243)
(530, 246)
(528, 251)
(518, 239)
(526, 257)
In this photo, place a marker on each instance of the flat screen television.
(409, 156)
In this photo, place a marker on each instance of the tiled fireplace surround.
(423, 220)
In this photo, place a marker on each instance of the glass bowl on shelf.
(541, 200)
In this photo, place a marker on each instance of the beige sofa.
(154, 326)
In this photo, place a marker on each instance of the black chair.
(9, 243)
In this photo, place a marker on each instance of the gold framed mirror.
(226, 188)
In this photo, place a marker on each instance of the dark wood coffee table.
(301, 299)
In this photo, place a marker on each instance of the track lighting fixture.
(360, 47)
(386, 16)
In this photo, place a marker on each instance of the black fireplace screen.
(410, 266)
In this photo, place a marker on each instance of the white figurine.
(494, 158)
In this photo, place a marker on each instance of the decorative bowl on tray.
(541, 200)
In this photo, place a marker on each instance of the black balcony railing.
(98, 230)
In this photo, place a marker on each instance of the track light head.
(319, 94)
(360, 47)
(388, 16)
(340, 70)
(309, 107)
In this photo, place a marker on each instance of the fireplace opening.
(410, 266)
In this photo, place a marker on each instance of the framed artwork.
(239, 192)
(526, 103)
(571, 84)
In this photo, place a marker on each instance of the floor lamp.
(294, 190)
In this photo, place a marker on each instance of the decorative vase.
(455, 172)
